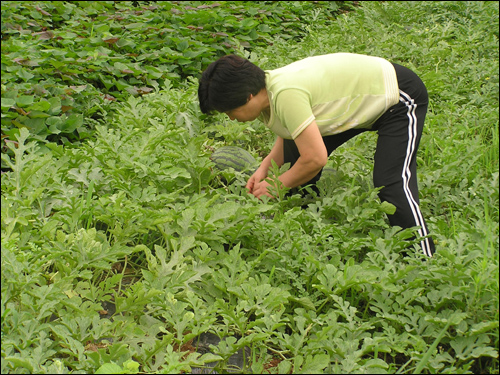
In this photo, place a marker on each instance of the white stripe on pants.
(406, 173)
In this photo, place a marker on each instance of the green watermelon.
(233, 157)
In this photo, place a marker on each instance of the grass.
(137, 219)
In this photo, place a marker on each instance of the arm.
(313, 157)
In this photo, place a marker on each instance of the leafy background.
(65, 63)
(121, 243)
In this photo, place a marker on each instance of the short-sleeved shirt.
(339, 91)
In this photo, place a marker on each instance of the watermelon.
(233, 157)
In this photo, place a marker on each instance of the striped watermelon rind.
(233, 157)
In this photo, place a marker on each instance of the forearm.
(302, 172)
(313, 157)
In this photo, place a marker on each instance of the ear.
(249, 98)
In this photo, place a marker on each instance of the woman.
(316, 104)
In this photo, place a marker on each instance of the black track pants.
(399, 131)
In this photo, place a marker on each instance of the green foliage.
(65, 64)
(119, 251)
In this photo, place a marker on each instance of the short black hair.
(227, 83)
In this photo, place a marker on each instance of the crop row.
(64, 64)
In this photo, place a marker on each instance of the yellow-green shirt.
(340, 91)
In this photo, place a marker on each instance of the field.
(122, 244)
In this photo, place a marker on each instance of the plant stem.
(431, 349)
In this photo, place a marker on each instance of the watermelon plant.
(120, 253)
(66, 64)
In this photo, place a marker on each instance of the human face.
(247, 112)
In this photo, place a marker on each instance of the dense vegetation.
(121, 243)
(65, 63)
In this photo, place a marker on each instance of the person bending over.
(316, 104)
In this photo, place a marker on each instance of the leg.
(395, 167)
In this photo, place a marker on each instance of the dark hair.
(227, 83)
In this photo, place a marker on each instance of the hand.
(261, 189)
(259, 175)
